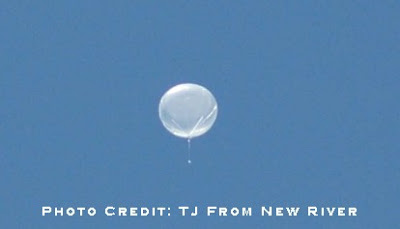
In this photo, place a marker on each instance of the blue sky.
(308, 110)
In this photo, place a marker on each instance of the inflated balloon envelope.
(188, 111)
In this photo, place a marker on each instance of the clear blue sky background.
(309, 110)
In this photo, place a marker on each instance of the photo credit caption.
(193, 211)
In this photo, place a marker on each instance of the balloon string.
(189, 146)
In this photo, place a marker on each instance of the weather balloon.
(188, 111)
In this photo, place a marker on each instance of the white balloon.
(188, 110)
